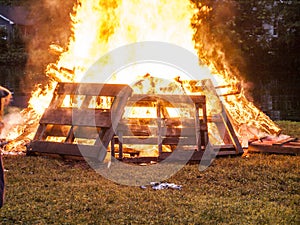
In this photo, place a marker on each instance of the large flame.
(100, 26)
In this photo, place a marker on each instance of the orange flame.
(99, 26)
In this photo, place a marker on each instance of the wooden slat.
(117, 111)
(168, 98)
(208, 86)
(197, 127)
(76, 117)
(64, 149)
(225, 153)
(79, 132)
(90, 89)
(224, 147)
(168, 122)
(40, 131)
(284, 141)
(159, 127)
(259, 148)
(294, 143)
(204, 126)
(231, 132)
(112, 147)
(153, 140)
(70, 137)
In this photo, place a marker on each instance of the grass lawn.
(259, 189)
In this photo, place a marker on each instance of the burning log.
(60, 74)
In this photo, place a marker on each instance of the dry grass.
(260, 189)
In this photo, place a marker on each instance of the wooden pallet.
(289, 146)
(163, 129)
(192, 134)
(64, 130)
(79, 121)
(222, 120)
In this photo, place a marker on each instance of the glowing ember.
(101, 26)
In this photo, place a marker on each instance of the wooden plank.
(76, 117)
(224, 147)
(63, 131)
(168, 98)
(112, 147)
(204, 126)
(70, 137)
(231, 132)
(168, 122)
(214, 119)
(57, 100)
(294, 143)
(226, 153)
(64, 149)
(284, 141)
(120, 140)
(159, 134)
(91, 89)
(197, 127)
(258, 148)
(153, 140)
(40, 131)
(117, 111)
(86, 102)
(208, 86)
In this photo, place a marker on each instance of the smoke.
(215, 38)
(51, 25)
(11, 120)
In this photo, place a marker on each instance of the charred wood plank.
(76, 117)
(168, 99)
(64, 149)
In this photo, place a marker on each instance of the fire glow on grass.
(100, 26)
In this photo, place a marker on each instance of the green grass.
(260, 189)
(289, 127)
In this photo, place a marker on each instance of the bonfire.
(100, 27)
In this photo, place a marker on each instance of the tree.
(3, 40)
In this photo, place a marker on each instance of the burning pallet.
(78, 114)
(163, 130)
(79, 122)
